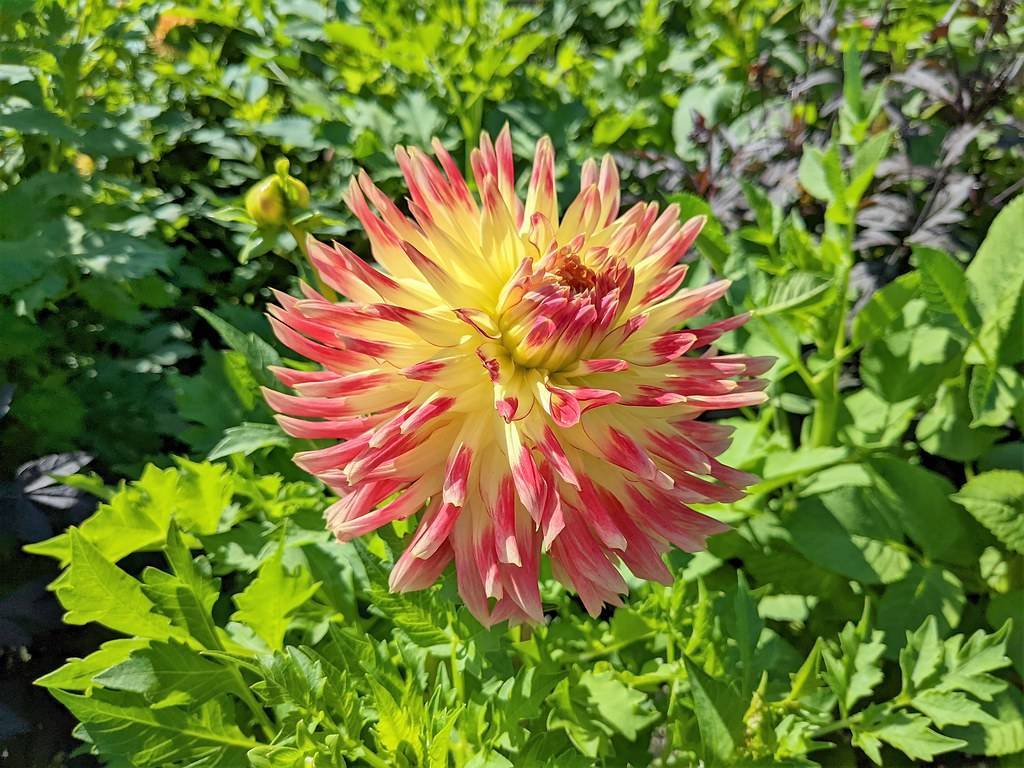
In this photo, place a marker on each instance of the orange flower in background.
(519, 378)
(166, 23)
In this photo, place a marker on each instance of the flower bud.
(270, 201)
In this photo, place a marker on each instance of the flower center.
(555, 311)
(572, 273)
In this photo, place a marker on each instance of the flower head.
(518, 378)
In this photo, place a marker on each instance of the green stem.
(838, 725)
(823, 429)
(609, 649)
(372, 758)
(299, 235)
(254, 706)
(458, 747)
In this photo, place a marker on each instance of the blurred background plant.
(853, 156)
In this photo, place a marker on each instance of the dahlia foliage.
(518, 378)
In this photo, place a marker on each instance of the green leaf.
(1007, 607)
(805, 682)
(169, 674)
(94, 589)
(795, 291)
(853, 85)
(572, 713)
(711, 241)
(744, 625)
(38, 121)
(917, 500)
(913, 357)
(121, 724)
(248, 438)
(996, 500)
(719, 712)
(138, 515)
(866, 158)
(945, 429)
(818, 535)
(1002, 733)
(853, 672)
(625, 710)
(925, 591)
(993, 394)
(884, 308)
(77, 674)
(793, 465)
(410, 612)
(909, 733)
(270, 599)
(136, 518)
(258, 353)
(821, 173)
(186, 597)
(868, 419)
(922, 656)
(437, 752)
(714, 103)
(949, 708)
(944, 286)
(995, 281)
(396, 725)
(968, 664)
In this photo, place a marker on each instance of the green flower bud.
(270, 201)
(265, 203)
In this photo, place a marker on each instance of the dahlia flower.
(517, 376)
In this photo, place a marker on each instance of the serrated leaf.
(121, 724)
(968, 665)
(77, 674)
(949, 708)
(624, 709)
(269, 600)
(396, 725)
(855, 670)
(437, 752)
(922, 656)
(410, 612)
(909, 733)
(996, 500)
(168, 674)
(1002, 733)
(94, 589)
(925, 591)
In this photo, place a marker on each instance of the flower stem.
(250, 701)
(299, 235)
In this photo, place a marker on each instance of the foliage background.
(853, 154)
